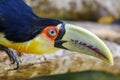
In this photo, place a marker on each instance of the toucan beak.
(80, 40)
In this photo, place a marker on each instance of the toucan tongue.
(81, 40)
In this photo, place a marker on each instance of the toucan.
(22, 30)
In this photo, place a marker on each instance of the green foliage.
(86, 75)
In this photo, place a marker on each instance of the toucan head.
(77, 39)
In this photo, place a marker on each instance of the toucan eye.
(52, 32)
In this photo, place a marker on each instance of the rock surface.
(60, 62)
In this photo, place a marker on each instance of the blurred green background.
(85, 75)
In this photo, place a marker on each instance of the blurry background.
(84, 10)
(101, 17)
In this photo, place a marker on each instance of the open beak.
(80, 40)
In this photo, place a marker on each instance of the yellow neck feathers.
(38, 45)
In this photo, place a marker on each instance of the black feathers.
(19, 23)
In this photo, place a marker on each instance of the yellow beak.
(83, 41)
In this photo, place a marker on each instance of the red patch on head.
(51, 32)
